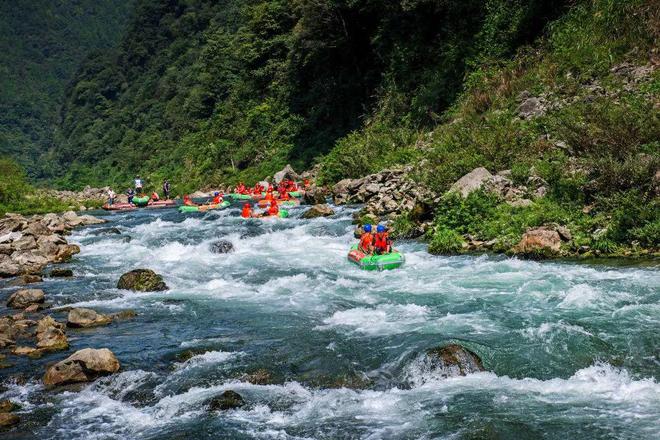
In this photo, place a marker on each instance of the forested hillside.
(42, 43)
(208, 92)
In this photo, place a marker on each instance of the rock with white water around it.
(61, 273)
(8, 420)
(471, 182)
(84, 318)
(142, 280)
(453, 360)
(82, 366)
(318, 211)
(26, 297)
(26, 279)
(7, 406)
(227, 400)
(222, 247)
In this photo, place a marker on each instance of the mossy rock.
(227, 400)
(142, 280)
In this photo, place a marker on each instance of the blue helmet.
(380, 228)
(367, 228)
(216, 193)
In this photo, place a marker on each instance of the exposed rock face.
(50, 335)
(27, 244)
(539, 241)
(7, 406)
(82, 366)
(287, 173)
(26, 297)
(142, 280)
(471, 182)
(258, 377)
(315, 195)
(84, 318)
(227, 400)
(389, 192)
(8, 420)
(8, 332)
(318, 211)
(222, 247)
(26, 279)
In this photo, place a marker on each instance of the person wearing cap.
(382, 243)
(366, 240)
(217, 198)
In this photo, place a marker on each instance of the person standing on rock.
(111, 197)
(130, 193)
(166, 189)
(138, 185)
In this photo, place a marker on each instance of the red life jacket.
(380, 241)
(273, 210)
(247, 212)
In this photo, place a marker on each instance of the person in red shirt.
(273, 210)
(217, 199)
(154, 197)
(188, 201)
(306, 183)
(247, 211)
(382, 243)
(269, 194)
(366, 240)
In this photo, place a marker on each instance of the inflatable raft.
(119, 207)
(265, 203)
(389, 261)
(237, 196)
(203, 208)
(283, 213)
(141, 201)
(161, 204)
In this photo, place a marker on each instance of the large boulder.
(318, 211)
(82, 366)
(314, 196)
(452, 360)
(471, 182)
(287, 173)
(84, 318)
(50, 335)
(142, 280)
(25, 279)
(26, 297)
(61, 273)
(222, 247)
(539, 241)
(8, 420)
(8, 332)
(227, 400)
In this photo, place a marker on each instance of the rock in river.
(315, 211)
(26, 297)
(443, 362)
(227, 400)
(61, 273)
(8, 419)
(222, 247)
(83, 318)
(82, 366)
(142, 280)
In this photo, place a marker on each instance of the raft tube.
(161, 204)
(265, 203)
(203, 208)
(141, 201)
(119, 207)
(393, 260)
(237, 196)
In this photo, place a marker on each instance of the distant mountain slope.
(42, 43)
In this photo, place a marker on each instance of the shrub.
(445, 241)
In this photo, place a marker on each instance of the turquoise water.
(573, 350)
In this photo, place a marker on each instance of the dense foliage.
(206, 92)
(42, 43)
(17, 195)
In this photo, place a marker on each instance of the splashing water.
(572, 350)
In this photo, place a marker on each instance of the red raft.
(119, 207)
(161, 204)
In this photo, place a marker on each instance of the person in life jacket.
(246, 212)
(217, 198)
(154, 197)
(269, 194)
(273, 210)
(187, 201)
(366, 240)
(240, 189)
(306, 183)
(285, 196)
(382, 243)
(281, 188)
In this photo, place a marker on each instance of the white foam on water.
(207, 359)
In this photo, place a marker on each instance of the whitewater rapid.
(572, 350)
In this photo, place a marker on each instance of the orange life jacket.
(247, 212)
(366, 241)
(273, 210)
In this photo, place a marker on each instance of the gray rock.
(84, 318)
(222, 247)
(530, 108)
(287, 173)
(227, 400)
(82, 366)
(8, 268)
(471, 182)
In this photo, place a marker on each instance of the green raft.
(202, 208)
(141, 201)
(237, 196)
(393, 260)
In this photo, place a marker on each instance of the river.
(572, 350)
